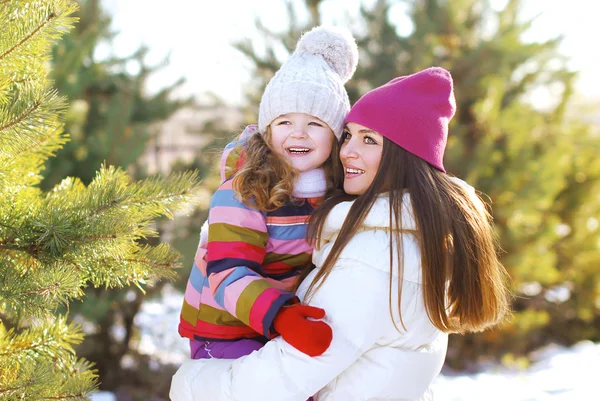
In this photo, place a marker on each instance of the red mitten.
(308, 336)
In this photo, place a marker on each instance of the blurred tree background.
(537, 163)
(111, 117)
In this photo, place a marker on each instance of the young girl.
(239, 291)
(405, 255)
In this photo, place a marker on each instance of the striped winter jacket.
(244, 273)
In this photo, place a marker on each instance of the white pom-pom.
(336, 45)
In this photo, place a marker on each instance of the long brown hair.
(266, 180)
(464, 283)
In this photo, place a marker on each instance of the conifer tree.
(110, 118)
(54, 244)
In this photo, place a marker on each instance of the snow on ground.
(556, 373)
(158, 321)
(103, 396)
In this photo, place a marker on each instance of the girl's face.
(360, 155)
(304, 140)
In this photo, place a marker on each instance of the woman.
(404, 256)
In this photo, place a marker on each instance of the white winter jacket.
(369, 359)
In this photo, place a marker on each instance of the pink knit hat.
(411, 111)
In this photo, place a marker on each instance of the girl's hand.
(308, 336)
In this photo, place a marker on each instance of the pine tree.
(110, 118)
(54, 244)
(535, 165)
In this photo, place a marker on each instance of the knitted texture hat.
(312, 80)
(411, 111)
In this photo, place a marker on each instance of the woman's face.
(304, 140)
(360, 155)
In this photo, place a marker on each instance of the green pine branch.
(33, 121)
(55, 244)
(39, 363)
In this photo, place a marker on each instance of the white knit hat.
(312, 80)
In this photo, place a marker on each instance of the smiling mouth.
(298, 150)
(354, 171)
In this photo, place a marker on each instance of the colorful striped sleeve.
(233, 156)
(237, 240)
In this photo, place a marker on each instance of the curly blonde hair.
(266, 180)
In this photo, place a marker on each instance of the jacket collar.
(378, 217)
